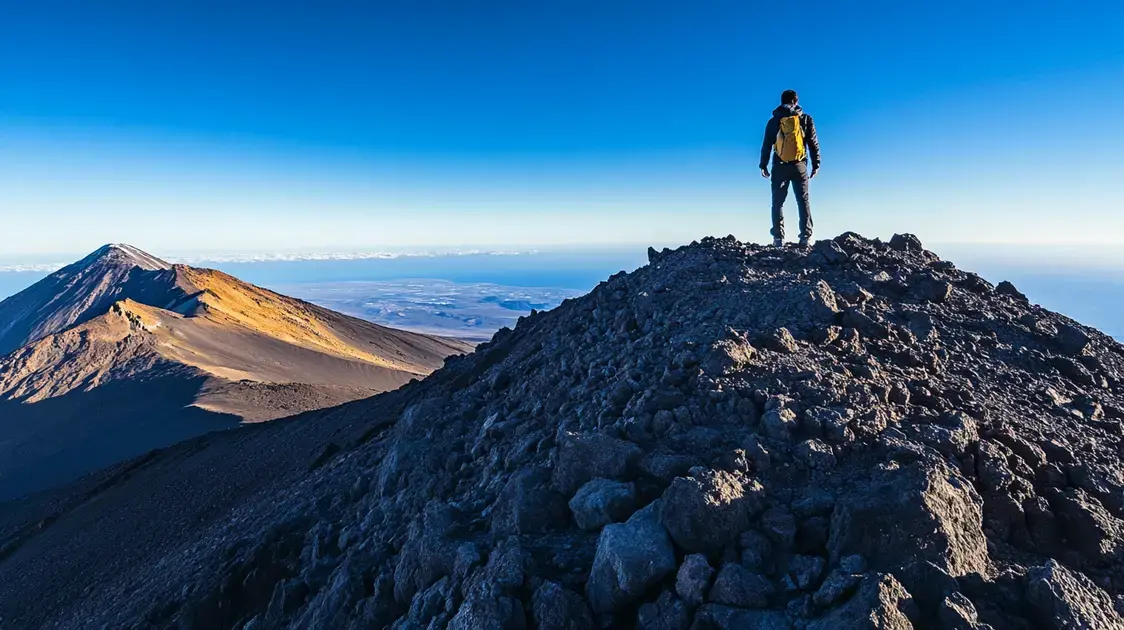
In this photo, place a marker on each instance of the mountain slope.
(733, 436)
(82, 291)
(124, 319)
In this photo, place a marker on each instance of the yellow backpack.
(790, 140)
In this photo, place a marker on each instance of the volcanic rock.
(630, 558)
(707, 510)
(971, 481)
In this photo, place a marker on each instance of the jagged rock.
(815, 455)
(779, 422)
(931, 289)
(601, 502)
(693, 579)
(804, 572)
(1064, 599)
(868, 324)
(503, 572)
(853, 563)
(906, 243)
(631, 556)
(1006, 288)
(924, 512)
(828, 252)
(582, 458)
(426, 555)
(666, 466)
(740, 587)
(528, 505)
(836, 587)
(1090, 528)
(556, 608)
(1074, 371)
(824, 308)
(727, 356)
(957, 612)
(480, 612)
(834, 423)
(756, 550)
(1071, 339)
(780, 526)
(666, 613)
(707, 510)
(881, 602)
(781, 340)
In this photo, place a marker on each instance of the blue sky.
(192, 126)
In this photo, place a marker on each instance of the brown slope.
(84, 290)
(195, 346)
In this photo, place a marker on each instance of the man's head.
(788, 97)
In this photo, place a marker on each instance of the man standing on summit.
(791, 137)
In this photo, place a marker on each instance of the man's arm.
(768, 142)
(812, 142)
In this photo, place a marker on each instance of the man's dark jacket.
(811, 142)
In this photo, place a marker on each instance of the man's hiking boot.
(778, 243)
(805, 242)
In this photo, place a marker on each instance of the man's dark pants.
(794, 174)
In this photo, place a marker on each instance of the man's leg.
(800, 185)
(780, 182)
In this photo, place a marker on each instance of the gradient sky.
(183, 126)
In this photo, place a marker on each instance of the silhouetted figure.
(791, 137)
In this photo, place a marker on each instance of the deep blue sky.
(281, 125)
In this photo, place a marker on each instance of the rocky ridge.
(859, 435)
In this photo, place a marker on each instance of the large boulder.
(556, 608)
(1064, 599)
(727, 356)
(925, 512)
(666, 613)
(582, 458)
(881, 603)
(693, 578)
(1071, 339)
(1090, 528)
(707, 510)
(528, 505)
(601, 502)
(630, 557)
(481, 612)
(738, 586)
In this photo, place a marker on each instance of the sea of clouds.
(268, 257)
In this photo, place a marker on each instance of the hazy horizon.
(1083, 283)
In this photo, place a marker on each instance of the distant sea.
(477, 293)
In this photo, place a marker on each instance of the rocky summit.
(858, 435)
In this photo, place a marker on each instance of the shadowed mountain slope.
(856, 436)
(84, 290)
(221, 350)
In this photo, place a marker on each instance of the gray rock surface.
(923, 512)
(631, 557)
(881, 603)
(693, 579)
(1065, 599)
(601, 502)
(707, 510)
(740, 587)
